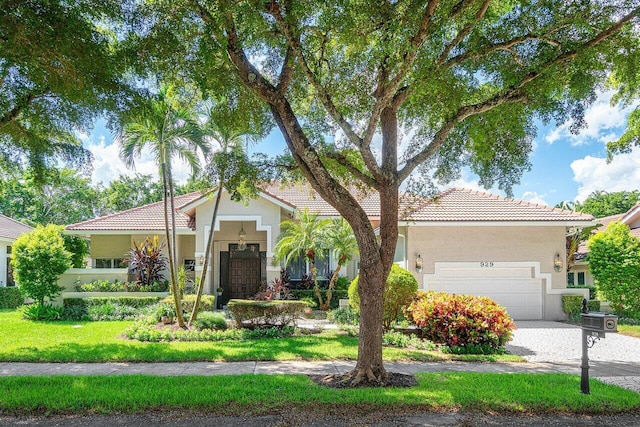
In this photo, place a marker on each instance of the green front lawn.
(630, 330)
(28, 341)
(264, 394)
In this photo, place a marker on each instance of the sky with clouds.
(564, 166)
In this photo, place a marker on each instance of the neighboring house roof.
(10, 228)
(462, 205)
(144, 218)
(453, 205)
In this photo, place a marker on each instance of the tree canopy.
(406, 90)
(59, 69)
(603, 203)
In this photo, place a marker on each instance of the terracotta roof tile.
(148, 217)
(456, 204)
(11, 229)
(460, 204)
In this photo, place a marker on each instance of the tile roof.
(455, 204)
(144, 218)
(461, 204)
(11, 229)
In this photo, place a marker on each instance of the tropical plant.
(460, 320)
(614, 262)
(340, 238)
(302, 236)
(147, 262)
(38, 259)
(169, 131)
(229, 167)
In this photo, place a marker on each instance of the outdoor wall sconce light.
(201, 259)
(419, 264)
(242, 238)
(557, 263)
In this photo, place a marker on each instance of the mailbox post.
(594, 326)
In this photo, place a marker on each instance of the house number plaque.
(485, 264)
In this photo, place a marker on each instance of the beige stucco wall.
(492, 244)
(109, 246)
(260, 219)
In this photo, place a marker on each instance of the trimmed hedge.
(592, 290)
(572, 306)
(207, 302)
(10, 298)
(461, 320)
(301, 294)
(254, 314)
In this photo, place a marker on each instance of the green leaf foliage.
(59, 69)
(38, 259)
(460, 320)
(602, 203)
(399, 290)
(614, 262)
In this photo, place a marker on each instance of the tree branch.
(464, 32)
(513, 94)
(286, 74)
(21, 104)
(353, 170)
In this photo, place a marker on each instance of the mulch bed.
(341, 381)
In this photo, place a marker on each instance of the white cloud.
(594, 173)
(107, 165)
(604, 123)
(534, 197)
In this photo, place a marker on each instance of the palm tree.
(168, 131)
(339, 236)
(303, 235)
(229, 166)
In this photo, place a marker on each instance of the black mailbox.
(600, 322)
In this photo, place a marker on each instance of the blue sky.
(564, 166)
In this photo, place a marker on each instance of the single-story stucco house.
(579, 274)
(461, 241)
(10, 230)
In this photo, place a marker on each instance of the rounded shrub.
(210, 320)
(399, 290)
(460, 320)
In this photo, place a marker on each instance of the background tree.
(66, 198)
(464, 79)
(169, 131)
(614, 262)
(129, 192)
(603, 203)
(38, 258)
(59, 69)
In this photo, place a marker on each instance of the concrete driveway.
(614, 359)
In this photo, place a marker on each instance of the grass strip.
(263, 394)
(27, 341)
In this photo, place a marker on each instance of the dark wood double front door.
(244, 277)
(241, 272)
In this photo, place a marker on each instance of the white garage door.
(513, 287)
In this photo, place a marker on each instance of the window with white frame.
(109, 263)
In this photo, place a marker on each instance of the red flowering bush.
(460, 320)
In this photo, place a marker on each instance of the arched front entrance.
(241, 272)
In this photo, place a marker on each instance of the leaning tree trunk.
(207, 254)
(332, 283)
(172, 271)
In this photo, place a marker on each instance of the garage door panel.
(513, 288)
